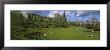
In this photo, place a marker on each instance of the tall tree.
(64, 16)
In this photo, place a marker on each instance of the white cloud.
(80, 12)
(51, 14)
(83, 12)
(24, 12)
(67, 12)
(55, 12)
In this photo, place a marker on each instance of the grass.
(72, 33)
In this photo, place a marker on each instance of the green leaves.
(22, 26)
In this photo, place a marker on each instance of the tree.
(64, 16)
(93, 23)
(17, 26)
(59, 20)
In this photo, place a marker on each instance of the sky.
(71, 15)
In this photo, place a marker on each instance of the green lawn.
(72, 33)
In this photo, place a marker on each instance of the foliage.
(22, 26)
(93, 23)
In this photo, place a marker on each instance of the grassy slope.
(72, 33)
